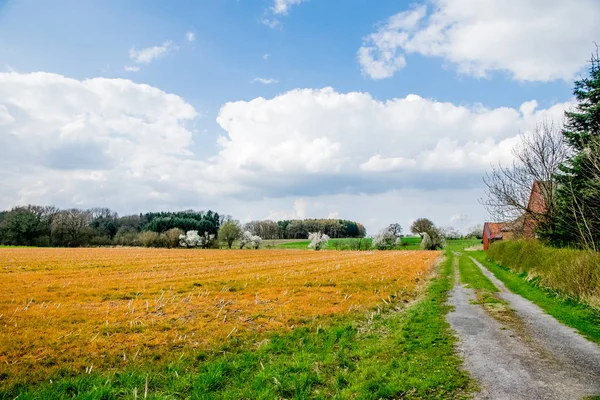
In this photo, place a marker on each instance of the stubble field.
(71, 311)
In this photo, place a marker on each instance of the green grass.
(471, 275)
(389, 354)
(572, 313)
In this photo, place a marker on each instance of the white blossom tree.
(193, 239)
(250, 240)
(318, 240)
(433, 239)
(385, 240)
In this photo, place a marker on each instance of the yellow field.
(74, 308)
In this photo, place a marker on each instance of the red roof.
(494, 229)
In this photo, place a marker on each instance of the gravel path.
(531, 356)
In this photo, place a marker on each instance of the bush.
(385, 240)
(126, 236)
(574, 273)
(171, 237)
(318, 240)
(433, 239)
(100, 241)
(151, 239)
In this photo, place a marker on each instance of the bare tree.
(537, 158)
(421, 225)
(396, 229)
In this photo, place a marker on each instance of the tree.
(450, 233)
(171, 237)
(433, 239)
(71, 227)
(318, 240)
(230, 231)
(250, 240)
(385, 240)
(420, 226)
(21, 226)
(578, 221)
(537, 159)
(193, 239)
(395, 229)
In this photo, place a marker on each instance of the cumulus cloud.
(323, 133)
(131, 68)
(131, 146)
(264, 81)
(190, 36)
(149, 54)
(532, 40)
(96, 141)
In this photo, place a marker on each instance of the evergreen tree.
(578, 219)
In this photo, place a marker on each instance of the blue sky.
(411, 83)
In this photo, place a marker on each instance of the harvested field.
(77, 309)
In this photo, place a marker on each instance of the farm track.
(528, 356)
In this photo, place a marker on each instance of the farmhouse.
(522, 227)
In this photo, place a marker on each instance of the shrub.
(574, 273)
(171, 237)
(150, 239)
(433, 239)
(100, 241)
(193, 239)
(126, 236)
(250, 240)
(385, 240)
(318, 240)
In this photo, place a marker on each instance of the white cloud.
(307, 132)
(190, 36)
(266, 56)
(532, 40)
(149, 54)
(131, 68)
(380, 164)
(278, 9)
(5, 117)
(129, 146)
(264, 81)
(271, 22)
(282, 6)
(97, 141)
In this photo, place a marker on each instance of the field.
(68, 312)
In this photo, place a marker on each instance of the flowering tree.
(193, 239)
(250, 240)
(433, 239)
(318, 240)
(385, 240)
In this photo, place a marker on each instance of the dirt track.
(528, 356)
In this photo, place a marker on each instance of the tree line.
(45, 226)
(563, 160)
(301, 228)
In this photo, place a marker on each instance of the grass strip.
(579, 316)
(471, 275)
(389, 354)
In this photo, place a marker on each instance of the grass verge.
(406, 353)
(485, 291)
(572, 313)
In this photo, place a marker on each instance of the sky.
(375, 111)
